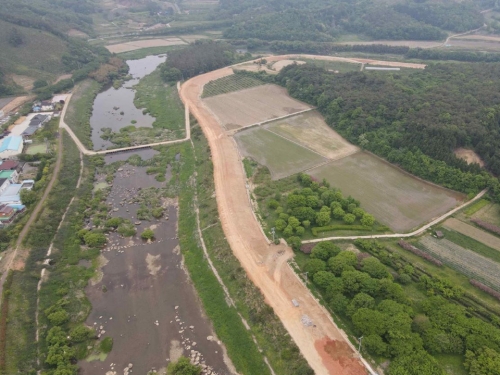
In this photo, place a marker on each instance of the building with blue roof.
(11, 146)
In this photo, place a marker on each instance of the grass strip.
(148, 51)
(471, 244)
(227, 323)
(471, 210)
(80, 110)
(3, 319)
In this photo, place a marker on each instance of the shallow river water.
(109, 104)
(148, 306)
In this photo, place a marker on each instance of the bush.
(405, 245)
(183, 367)
(106, 345)
(314, 265)
(147, 234)
(95, 239)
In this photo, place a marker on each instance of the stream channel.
(143, 297)
(115, 109)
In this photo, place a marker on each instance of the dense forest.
(322, 20)
(198, 58)
(415, 120)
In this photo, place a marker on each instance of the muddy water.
(149, 308)
(109, 104)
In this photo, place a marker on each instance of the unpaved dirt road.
(323, 345)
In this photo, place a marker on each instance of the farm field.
(463, 260)
(234, 82)
(489, 213)
(147, 43)
(282, 157)
(36, 148)
(473, 232)
(395, 198)
(310, 130)
(340, 66)
(246, 107)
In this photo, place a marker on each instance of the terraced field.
(463, 260)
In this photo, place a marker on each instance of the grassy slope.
(80, 110)
(38, 57)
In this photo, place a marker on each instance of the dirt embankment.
(309, 324)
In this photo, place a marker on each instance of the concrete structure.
(27, 184)
(379, 68)
(11, 146)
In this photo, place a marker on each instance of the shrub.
(485, 288)
(314, 265)
(183, 367)
(488, 226)
(349, 218)
(95, 239)
(147, 234)
(106, 345)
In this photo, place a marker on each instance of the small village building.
(12, 176)
(9, 165)
(9, 212)
(46, 105)
(28, 184)
(4, 184)
(11, 146)
(11, 195)
(439, 234)
(38, 120)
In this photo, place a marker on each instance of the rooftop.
(12, 143)
(13, 189)
(6, 174)
(8, 165)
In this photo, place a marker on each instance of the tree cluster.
(198, 58)
(315, 205)
(362, 290)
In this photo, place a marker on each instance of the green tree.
(360, 300)
(374, 268)
(349, 218)
(293, 222)
(369, 322)
(58, 317)
(344, 261)
(323, 279)
(314, 265)
(416, 363)
(485, 362)
(294, 242)
(114, 222)
(183, 367)
(280, 224)
(299, 231)
(157, 212)
(375, 345)
(367, 220)
(358, 212)
(325, 250)
(147, 234)
(28, 197)
(306, 223)
(16, 37)
(170, 74)
(323, 218)
(288, 231)
(81, 333)
(338, 213)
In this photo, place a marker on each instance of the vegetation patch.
(234, 82)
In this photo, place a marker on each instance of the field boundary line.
(233, 132)
(403, 235)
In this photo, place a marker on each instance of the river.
(115, 109)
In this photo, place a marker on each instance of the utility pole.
(305, 273)
(359, 348)
(273, 232)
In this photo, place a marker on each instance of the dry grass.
(281, 64)
(473, 232)
(395, 198)
(250, 106)
(310, 130)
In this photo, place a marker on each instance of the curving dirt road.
(322, 343)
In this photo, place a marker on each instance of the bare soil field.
(488, 38)
(282, 63)
(469, 156)
(193, 38)
(138, 44)
(149, 308)
(266, 264)
(282, 157)
(473, 232)
(251, 67)
(5, 101)
(481, 45)
(77, 33)
(242, 108)
(395, 198)
(310, 130)
(15, 103)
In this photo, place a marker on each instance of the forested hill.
(322, 20)
(415, 120)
